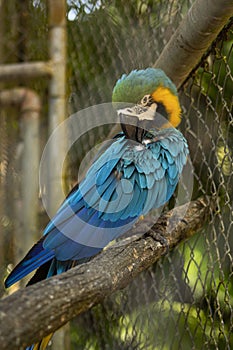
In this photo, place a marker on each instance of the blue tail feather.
(36, 257)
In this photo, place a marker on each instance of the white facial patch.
(140, 112)
(149, 114)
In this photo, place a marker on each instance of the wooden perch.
(193, 37)
(32, 313)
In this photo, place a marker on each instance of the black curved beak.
(137, 121)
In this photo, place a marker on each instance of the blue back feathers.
(104, 206)
(124, 182)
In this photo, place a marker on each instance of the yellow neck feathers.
(170, 102)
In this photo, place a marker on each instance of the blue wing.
(126, 181)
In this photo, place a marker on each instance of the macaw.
(138, 171)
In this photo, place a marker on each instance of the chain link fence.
(185, 301)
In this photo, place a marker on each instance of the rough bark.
(30, 314)
(193, 37)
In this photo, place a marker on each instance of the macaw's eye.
(146, 100)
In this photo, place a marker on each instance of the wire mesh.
(185, 301)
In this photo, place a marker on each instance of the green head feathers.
(132, 87)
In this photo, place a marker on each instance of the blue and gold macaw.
(139, 171)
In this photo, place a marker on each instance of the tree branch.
(193, 37)
(32, 313)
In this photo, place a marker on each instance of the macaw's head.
(152, 94)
